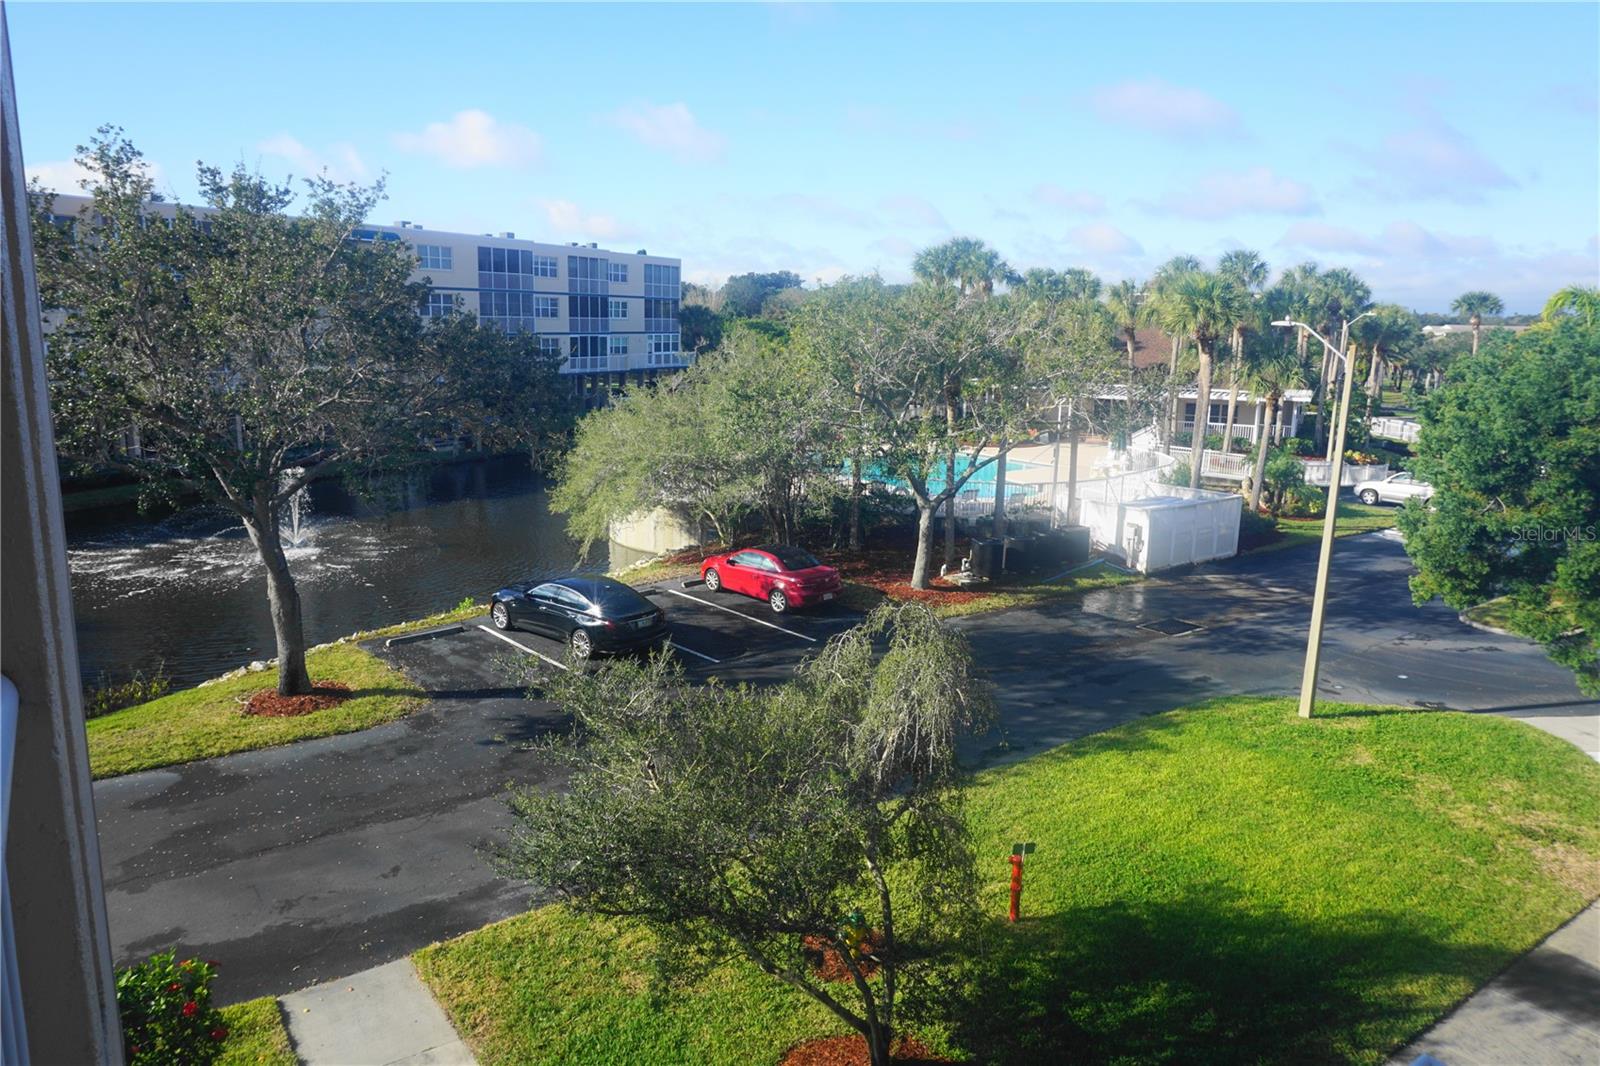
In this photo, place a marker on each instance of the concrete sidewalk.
(384, 1016)
(1544, 1010)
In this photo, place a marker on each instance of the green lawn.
(1353, 518)
(1007, 595)
(256, 1035)
(199, 723)
(1225, 883)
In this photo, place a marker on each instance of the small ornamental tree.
(746, 823)
(1511, 445)
(166, 1010)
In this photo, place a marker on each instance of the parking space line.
(691, 651)
(523, 647)
(741, 614)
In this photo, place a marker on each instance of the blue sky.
(1433, 148)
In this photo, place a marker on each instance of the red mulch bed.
(268, 704)
(889, 571)
(852, 1051)
(828, 964)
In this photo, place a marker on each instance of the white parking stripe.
(524, 647)
(741, 614)
(691, 651)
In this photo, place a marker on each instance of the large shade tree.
(249, 350)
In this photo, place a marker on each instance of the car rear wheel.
(582, 646)
(778, 600)
(498, 615)
(713, 580)
(1369, 496)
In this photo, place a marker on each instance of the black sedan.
(592, 615)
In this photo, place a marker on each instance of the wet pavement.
(298, 864)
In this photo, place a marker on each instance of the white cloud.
(1224, 194)
(474, 138)
(568, 219)
(1078, 200)
(341, 161)
(671, 128)
(1396, 240)
(1102, 238)
(1433, 161)
(1169, 110)
(907, 210)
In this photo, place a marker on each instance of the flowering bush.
(167, 1016)
(1356, 458)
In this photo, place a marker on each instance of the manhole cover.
(1171, 627)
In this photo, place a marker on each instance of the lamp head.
(1283, 322)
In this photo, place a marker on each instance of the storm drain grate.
(1171, 627)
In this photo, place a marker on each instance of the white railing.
(1352, 474)
(1220, 465)
(1402, 429)
(1241, 427)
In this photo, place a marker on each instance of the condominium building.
(611, 316)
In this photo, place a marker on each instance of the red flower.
(214, 964)
(190, 1009)
(136, 1049)
(218, 1033)
(174, 986)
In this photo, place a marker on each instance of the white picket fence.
(1352, 474)
(1402, 429)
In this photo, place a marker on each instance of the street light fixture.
(1308, 679)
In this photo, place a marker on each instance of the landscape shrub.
(1177, 474)
(1255, 529)
(1283, 474)
(166, 1010)
(1304, 501)
(1300, 446)
(107, 696)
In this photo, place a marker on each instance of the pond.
(187, 593)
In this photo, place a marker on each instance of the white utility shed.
(1178, 527)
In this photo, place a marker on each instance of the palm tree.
(1274, 369)
(1248, 271)
(1205, 306)
(1129, 310)
(1581, 302)
(1475, 305)
(1160, 282)
(1339, 295)
(1392, 328)
(973, 269)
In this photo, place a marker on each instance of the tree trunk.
(1233, 407)
(1261, 459)
(878, 1046)
(1202, 417)
(950, 510)
(1072, 469)
(1171, 416)
(1477, 324)
(999, 492)
(855, 504)
(919, 570)
(1127, 339)
(283, 599)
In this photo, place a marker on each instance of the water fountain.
(299, 508)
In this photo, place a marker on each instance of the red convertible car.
(783, 576)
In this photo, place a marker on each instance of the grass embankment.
(200, 723)
(1353, 518)
(1220, 883)
(462, 612)
(256, 1035)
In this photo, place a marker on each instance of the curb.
(426, 634)
(1485, 626)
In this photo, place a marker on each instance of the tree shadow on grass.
(1209, 978)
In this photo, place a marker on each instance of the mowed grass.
(256, 1035)
(1224, 883)
(200, 723)
(1353, 518)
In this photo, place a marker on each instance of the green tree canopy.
(743, 295)
(1511, 445)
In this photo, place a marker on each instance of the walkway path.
(384, 1016)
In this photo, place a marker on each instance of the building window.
(587, 353)
(511, 311)
(439, 304)
(547, 306)
(660, 315)
(617, 272)
(544, 266)
(664, 350)
(434, 257)
(588, 314)
(619, 308)
(618, 345)
(586, 274)
(661, 280)
(550, 346)
(505, 268)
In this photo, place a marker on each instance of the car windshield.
(794, 558)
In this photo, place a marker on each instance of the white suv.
(1396, 488)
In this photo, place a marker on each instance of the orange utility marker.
(1017, 852)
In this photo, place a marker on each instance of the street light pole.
(1319, 599)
